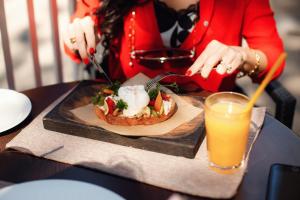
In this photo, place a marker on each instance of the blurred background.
(287, 16)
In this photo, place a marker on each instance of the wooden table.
(275, 144)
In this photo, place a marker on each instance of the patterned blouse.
(174, 25)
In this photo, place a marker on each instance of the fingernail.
(86, 61)
(188, 73)
(94, 10)
(95, 19)
(92, 51)
(78, 61)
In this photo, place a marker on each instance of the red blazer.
(227, 21)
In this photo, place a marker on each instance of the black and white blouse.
(174, 25)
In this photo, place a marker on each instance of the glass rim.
(228, 92)
(189, 54)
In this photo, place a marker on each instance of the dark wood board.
(60, 119)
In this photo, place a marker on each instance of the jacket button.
(205, 23)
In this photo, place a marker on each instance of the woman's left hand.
(226, 59)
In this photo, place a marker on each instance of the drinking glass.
(227, 124)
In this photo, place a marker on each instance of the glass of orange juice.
(227, 124)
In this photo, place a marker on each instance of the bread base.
(126, 121)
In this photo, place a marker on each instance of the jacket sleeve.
(85, 8)
(259, 30)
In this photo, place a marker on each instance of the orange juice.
(227, 125)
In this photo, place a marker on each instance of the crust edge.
(125, 121)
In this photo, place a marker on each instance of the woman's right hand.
(79, 37)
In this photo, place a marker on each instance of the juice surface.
(227, 133)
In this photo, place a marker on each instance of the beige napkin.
(5, 184)
(191, 176)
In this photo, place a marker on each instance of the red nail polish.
(94, 10)
(86, 61)
(188, 73)
(92, 51)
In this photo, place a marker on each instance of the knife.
(99, 68)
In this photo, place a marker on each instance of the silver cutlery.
(160, 77)
(99, 68)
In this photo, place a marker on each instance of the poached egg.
(136, 98)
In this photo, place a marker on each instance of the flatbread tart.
(133, 105)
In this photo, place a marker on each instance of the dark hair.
(111, 15)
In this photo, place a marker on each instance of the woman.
(210, 30)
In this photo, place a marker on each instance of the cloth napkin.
(191, 176)
(4, 184)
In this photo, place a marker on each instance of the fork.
(160, 77)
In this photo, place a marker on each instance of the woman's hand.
(80, 37)
(226, 59)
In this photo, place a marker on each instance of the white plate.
(57, 190)
(14, 108)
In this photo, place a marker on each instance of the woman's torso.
(218, 20)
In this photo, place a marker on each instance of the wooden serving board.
(182, 141)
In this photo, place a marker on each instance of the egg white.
(136, 98)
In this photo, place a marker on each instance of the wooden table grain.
(275, 144)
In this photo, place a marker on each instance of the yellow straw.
(266, 80)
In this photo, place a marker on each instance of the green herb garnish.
(121, 105)
(154, 92)
(98, 100)
(173, 86)
(115, 87)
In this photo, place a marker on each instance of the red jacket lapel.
(147, 31)
(206, 9)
